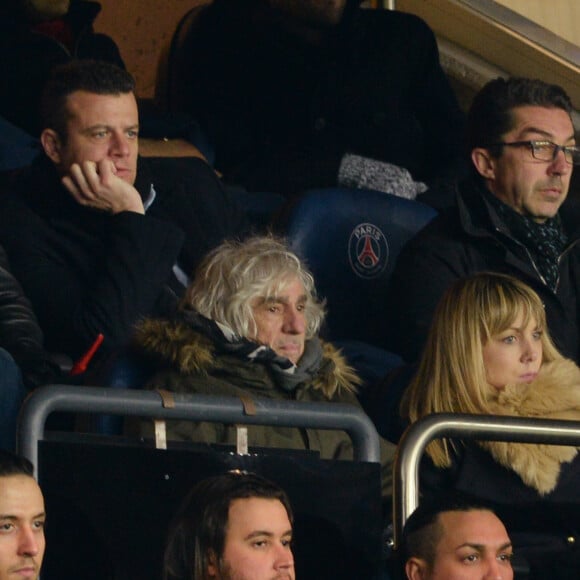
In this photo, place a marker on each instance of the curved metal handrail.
(463, 426)
(213, 408)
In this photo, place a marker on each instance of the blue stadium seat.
(17, 148)
(123, 370)
(351, 239)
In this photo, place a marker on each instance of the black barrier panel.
(109, 507)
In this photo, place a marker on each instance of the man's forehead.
(18, 494)
(535, 118)
(471, 526)
(282, 297)
(284, 288)
(85, 102)
(258, 514)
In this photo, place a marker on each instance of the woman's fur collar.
(554, 394)
(176, 344)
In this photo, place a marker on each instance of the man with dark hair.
(506, 218)
(95, 77)
(22, 519)
(97, 236)
(454, 539)
(234, 526)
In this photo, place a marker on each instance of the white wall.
(560, 16)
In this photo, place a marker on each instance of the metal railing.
(462, 426)
(212, 408)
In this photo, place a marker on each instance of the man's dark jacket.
(281, 112)
(464, 240)
(89, 272)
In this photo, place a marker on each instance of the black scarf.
(545, 241)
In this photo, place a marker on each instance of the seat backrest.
(350, 239)
(172, 63)
(17, 148)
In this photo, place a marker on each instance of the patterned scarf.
(288, 375)
(545, 241)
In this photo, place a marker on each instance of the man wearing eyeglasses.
(506, 217)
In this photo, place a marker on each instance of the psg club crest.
(368, 251)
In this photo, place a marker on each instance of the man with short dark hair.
(235, 526)
(22, 518)
(97, 236)
(506, 218)
(454, 539)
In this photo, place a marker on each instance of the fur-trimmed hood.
(554, 394)
(176, 344)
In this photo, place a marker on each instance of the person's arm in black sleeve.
(20, 333)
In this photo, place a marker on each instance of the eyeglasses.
(546, 150)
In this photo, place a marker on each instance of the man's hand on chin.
(96, 185)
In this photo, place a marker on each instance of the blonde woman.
(489, 352)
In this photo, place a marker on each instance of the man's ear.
(484, 162)
(416, 569)
(51, 144)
